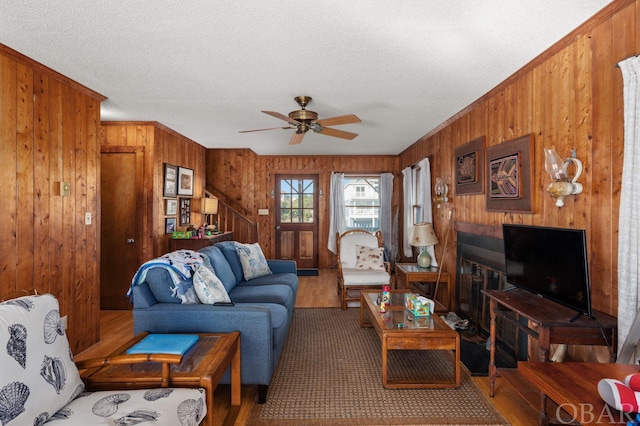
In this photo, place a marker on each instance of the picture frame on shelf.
(508, 167)
(169, 225)
(185, 211)
(170, 188)
(171, 207)
(185, 181)
(469, 167)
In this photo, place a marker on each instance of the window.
(362, 202)
(296, 201)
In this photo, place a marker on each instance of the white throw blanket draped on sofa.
(180, 264)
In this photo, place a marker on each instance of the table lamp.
(209, 206)
(422, 236)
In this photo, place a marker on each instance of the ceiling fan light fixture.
(304, 120)
(303, 115)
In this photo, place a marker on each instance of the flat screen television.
(550, 262)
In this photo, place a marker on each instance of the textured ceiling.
(206, 68)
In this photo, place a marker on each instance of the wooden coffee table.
(202, 366)
(424, 333)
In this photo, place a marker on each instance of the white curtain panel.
(408, 201)
(423, 195)
(386, 217)
(336, 210)
(629, 231)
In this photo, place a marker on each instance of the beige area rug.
(329, 374)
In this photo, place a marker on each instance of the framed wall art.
(170, 180)
(185, 181)
(469, 167)
(508, 167)
(185, 211)
(171, 207)
(169, 225)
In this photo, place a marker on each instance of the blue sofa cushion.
(221, 267)
(228, 249)
(276, 293)
(289, 279)
(160, 284)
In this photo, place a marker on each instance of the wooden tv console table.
(551, 324)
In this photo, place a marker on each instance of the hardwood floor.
(313, 292)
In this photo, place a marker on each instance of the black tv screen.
(550, 262)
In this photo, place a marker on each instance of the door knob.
(278, 227)
(130, 241)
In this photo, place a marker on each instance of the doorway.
(297, 219)
(121, 223)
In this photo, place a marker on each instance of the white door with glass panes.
(296, 214)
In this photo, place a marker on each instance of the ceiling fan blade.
(282, 117)
(260, 130)
(342, 119)
(337, 133)
(296, 138)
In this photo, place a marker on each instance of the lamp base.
(424, 260)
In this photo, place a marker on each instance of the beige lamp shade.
(209, 206)
(423, 235)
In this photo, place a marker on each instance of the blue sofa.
(262, 310)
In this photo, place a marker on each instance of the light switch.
(263, 212)
(87, 218)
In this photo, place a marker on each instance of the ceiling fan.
(304, 120)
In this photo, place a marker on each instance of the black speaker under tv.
(550, 262)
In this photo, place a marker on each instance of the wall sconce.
(441, 190)
(562, 186)
(65, 189)
(423, 235)
(209, 206)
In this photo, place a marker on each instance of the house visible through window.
(362, 202)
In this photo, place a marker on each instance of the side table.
(202, 366)
(574, 387)
(198, 243)
(409, 274)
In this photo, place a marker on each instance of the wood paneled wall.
(249, 180)
(161, 145)
(49, 133)
(568, 97)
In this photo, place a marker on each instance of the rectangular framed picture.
(170, 180)
(508, 167)
(185, 181)
(469, 167)
(185, 211)
(169, 225)
(171, 207)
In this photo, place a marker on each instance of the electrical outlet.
(87, 218)
(65, 323)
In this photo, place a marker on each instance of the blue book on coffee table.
(164, 344)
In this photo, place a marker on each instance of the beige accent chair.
(351, 279)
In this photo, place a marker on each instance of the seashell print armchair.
(39, 381)
(361, 265)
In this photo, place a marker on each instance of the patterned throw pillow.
(369, 258)
(254, 264)
(208, 287)
(38, 376)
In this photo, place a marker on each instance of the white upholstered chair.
(360, 265)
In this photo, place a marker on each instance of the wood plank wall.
(49, 133)
(249, 180)
(569, 97)
(161, 145)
